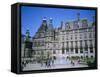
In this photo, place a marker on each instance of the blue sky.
(31, 17)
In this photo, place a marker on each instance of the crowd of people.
(47, 63)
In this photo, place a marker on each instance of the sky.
(31, 17)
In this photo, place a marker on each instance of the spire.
(44, 19)
(44, 22)
(27, 35)
(44, 26)
(50, 20)
(50, 24)
(61, 24)
(27, 32)
(78, 16)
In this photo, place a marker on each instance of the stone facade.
(74, 38)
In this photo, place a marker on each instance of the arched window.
(63, 51)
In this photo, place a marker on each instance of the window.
(85, 35)
(62, 50)
(71, 46)
(75, 31)
(67, 44)
(86, 56)
(90, 29)
(80, 36)
(34, 52)
(91, 43)
(67, 38)
(67, 57)
(81, 50)
(75, 36)
(67, 50)
(76, 50)
(76, 44)
(36, 43)
(48, 45)
(63, 44)
(42, 43)
(81, 57)
(94, 35)
(71, 49)
(91, 50)
(86, 45)
(86, 49)
(38, 53)
(54, 57)
(63, 38)
(42, 53)
(54, 45)
(92, 57)
(90, 35)
(71, 37)
(80, 43)
(54, 52)
(56, 38)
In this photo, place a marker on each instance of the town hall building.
(72, 39)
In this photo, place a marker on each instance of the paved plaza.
(57, 64)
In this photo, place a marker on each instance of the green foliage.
(91, 62)
(75, 57)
